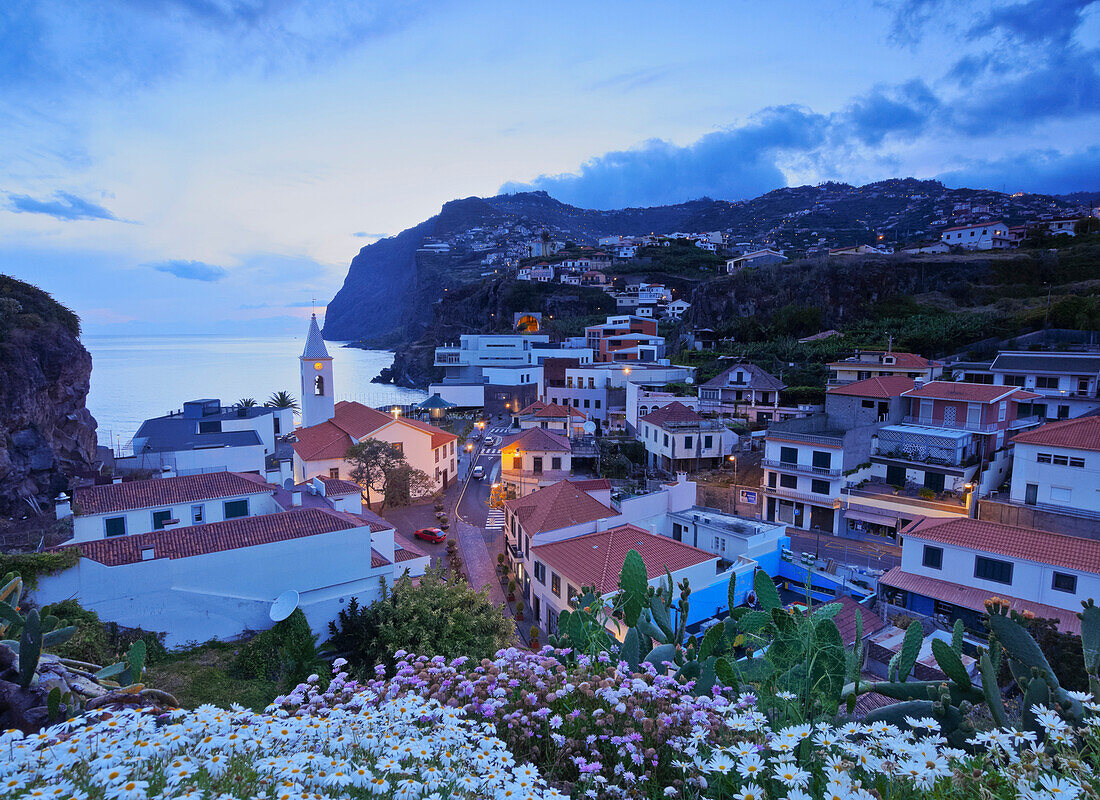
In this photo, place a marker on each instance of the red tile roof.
(901, 361)
(592, 484)
(216, 537)
(974, 599)
(558, 505)
(407, 552)
(846, 619)
(975, 225)
(440, 437)
(970, 392)
(1027, 544)
(537, 439)
(673, 412)
(358, 420)
(880, 388)
(596, 559)
(1082, 433)
(336, 487)
(321, 442)
(130, 495)
(553, 410)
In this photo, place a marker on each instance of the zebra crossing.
(495, 519)
(499, 432)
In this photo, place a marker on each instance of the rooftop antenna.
(890, 343)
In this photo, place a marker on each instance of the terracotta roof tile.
(757, 379)
(551, 410)
(215, 537)
(592, 484)
(1026, 544)
(351, 422)
(901, 361)
(880, 388)
(846, 620)
(440, 437)
(974, 599)
(321, 442)
(558, 505)
(596, 559)
(538, 440)
(673, 412)
(1082, 433)
(130, 495)
(970, 392)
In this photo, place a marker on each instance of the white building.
(979, 236)
(676, 308)
(756, 258)
(599, 390)
(315, 366)
(641, 401)
(540, 273)
(205, 436)
(1056, 467)
(949, 568)
(484, 368)
(1068, 382)
(679, 440)
(883, 364)
(534, 458)
(135, 507)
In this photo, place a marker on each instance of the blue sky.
(213, 165)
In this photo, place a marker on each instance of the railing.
(1024, 422)
(1054, 509)
(803, 468)
(791, 494)
(910, 458)
(809, 438)
(953, 426)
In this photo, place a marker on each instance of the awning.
(876, 517)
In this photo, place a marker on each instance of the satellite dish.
(589, 427)
(689, 380)
(283, 606)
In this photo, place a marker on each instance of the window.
(537, 465)
(198, 513)
(788, 481)
(540, 573)
(517, 462)
(236, 508)
(992, 569)
(1079, 463)
(210, 426)
(666, 440)
(819, 486)
(591, 383)
(597, 404)
(822, 460)
(677, 532)
(719, 544)
(1063, 582)
(867, 403)
(555, 584)
(334, 473)
(555, 462)
(708, 442)
(933, 557)
(319, 385)
(436, 451)
(1046, 382)
(160, 518)
(576, 403)
(1063, 412)
(1002, 411)
(772, 478)
(1043, 458)
(114, 526)
(687, 442)
(788, 455)
(1061, 461)
(586, 402)
(571, 594)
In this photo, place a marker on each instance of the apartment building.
(1068, 383)
(625, 338)
(882, 364)
(491, 371)
(599, 390)
(678, 439)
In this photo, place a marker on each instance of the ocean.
(137, 377)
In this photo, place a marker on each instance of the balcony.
(805, 469)
(958, 425)
(802, 497)
(1025, 422)
(447, 356)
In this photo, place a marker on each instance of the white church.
(330, 428)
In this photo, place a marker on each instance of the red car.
(431, 535)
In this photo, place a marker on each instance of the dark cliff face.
(46, 433)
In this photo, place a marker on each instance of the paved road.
(865, 555)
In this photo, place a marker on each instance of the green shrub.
(285, 654)
(103, 643)
(30, 565)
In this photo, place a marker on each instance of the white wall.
(88, 527)
(224, 594)
(460, 394)
(1030, 580)
(1058, 485)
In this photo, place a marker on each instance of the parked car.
(479, 472)
(492, 441)
(434, 535)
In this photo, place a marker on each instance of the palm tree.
(246, 402)
(282, 400)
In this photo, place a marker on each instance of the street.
(865, 555)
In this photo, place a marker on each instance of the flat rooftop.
(738, 526)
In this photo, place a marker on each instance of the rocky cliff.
(46, 433)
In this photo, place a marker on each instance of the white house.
(540, 273)
(489, 370)
(1068, 382)
(205, 436)
(533, 458)
(135, 507)
(949, 568)
(676, 308)
(319, 450)
(219, 579)
(978, 236)
(552, 417)
(743, 389)
(678, 439)
(756, 258)
(1057, 467)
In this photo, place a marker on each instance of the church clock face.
(317, 365)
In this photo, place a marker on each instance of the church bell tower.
(315, 363)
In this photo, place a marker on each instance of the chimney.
(295, 499)
(918, 382)
(64, 507)
(681, 477)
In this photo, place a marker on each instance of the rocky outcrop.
(47, 434)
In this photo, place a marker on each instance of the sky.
(212, 166)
